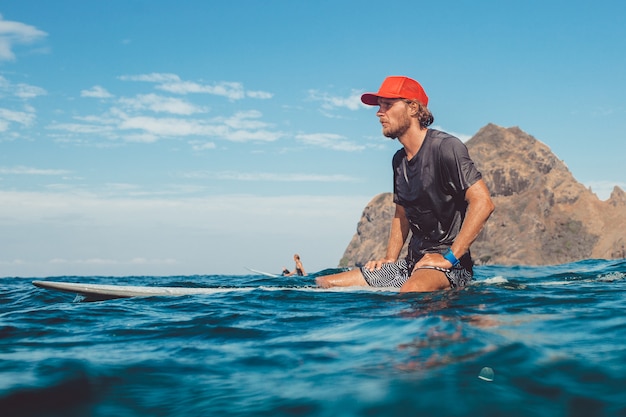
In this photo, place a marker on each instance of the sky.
(152, 137)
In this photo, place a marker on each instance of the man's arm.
(479, 208)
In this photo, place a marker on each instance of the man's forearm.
(479, 209)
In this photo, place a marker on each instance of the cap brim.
(370, 99)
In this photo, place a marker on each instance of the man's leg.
(426, 280)
(351, 278)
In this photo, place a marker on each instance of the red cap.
(397, 87)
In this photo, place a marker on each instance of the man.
(439, 195)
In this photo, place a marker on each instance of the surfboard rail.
(267, 274)
(109, 291)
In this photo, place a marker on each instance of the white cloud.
(23, 118)
(168, 126)
(105, 120)
(81, 128)
(241, 127)
(96, 92)
(230, 90)
(129, 119)
(245, 120)
(14, 33)
(268, 177)
(262, 95)
(22, 170)
(160, 104)
(329, 141)
(254, 136)
(20, 90)
(175, 127)
(141, 137)
(172, 83)
(351, 102)
(151, 78)
(26, 91)
(197, 145)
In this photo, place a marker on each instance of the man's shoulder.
(440, 135)
(397, 157)
(445, 142)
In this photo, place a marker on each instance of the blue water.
(554, 337)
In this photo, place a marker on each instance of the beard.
(394, 131)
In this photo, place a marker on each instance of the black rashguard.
(431, 188)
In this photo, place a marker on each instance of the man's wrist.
(449, 256)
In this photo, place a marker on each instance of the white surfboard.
(267, 274)
(107, 292)
(101, 292)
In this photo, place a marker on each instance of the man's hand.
(434, 259)
(376, 265)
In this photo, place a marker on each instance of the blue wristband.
(449, 255)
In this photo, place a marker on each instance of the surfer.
(439, 194)
(298, 270)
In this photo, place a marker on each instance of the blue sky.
(202, 137)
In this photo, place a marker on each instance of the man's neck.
(412, 141)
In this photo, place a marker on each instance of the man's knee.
(426, 281)
(322, 282)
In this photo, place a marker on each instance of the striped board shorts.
(395, 274)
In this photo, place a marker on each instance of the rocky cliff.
(543, 215)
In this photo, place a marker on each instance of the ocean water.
(520, 341)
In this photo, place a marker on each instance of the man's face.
(393, 114)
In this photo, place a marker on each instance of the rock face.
(543, 215)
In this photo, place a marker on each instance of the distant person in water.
(299, 269)
(439, 194)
